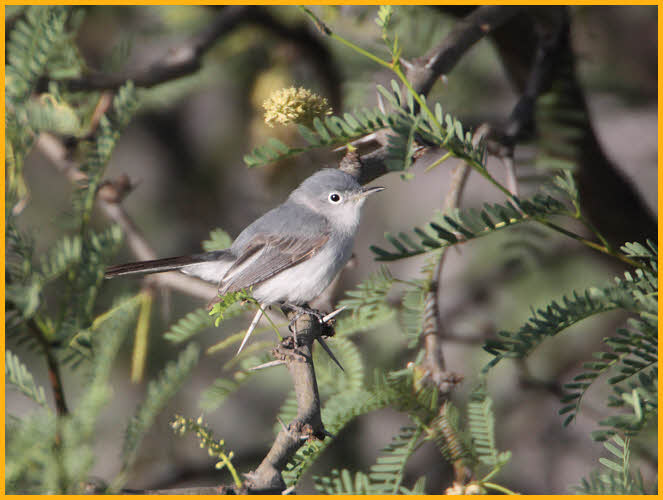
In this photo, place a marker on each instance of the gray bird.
(289, 255)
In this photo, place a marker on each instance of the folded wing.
(266, 255)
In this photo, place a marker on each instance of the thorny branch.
(307, 424)
(109, 200)
(434, 331)
(188, 57)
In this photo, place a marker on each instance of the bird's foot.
(299, 312)
(324, 321)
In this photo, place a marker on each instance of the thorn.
(282, 424)
(333, 314)
(269, 364)
(380, 102)
(329, 434)
(288, 490)
(328, 351)
(362, 140)
(405, 63)
(252, 327)
(294, 335)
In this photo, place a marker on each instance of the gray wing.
(266, 255)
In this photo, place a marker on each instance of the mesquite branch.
(109, 199)
(307, 424)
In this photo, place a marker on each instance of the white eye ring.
(335, 198)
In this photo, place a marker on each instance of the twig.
(109, 200)
(53, 372)
(187, 58)
(180, 61)
(433, 326)
(269, 364)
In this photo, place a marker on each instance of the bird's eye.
(334, 197)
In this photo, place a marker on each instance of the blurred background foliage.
(184, 148)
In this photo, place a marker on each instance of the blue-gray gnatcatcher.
(289, 255)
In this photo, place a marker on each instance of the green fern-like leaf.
(125, 104)
(30, 454)
(216, 394)
(78, 431)
(188, 326)
(225, 304)
(414, 301)
(63, 254)
(387, 473)
(18, 375)
(330, 131)
(19, 252)
(364, 319)
(482, 428)
(401, 144)
(159, 392)
(385, 476)
(405, 121)
(633, 357)
(85, 280)
(371, 293)
(460, 226)
(641, 399)
(546, 323)
(32, 42)
(344, 483)
(50, 114)
(453, 442)
(615, 478)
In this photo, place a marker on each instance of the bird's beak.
(370, 190)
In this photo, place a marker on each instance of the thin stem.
(361, 51)
(594, 230)
(53, 371)
(233, 472)
(406, 282)
(473, 163)
(491, 474)
(441, 159)
(395, 67)
(591, 244)
(499, 488)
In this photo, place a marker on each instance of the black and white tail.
(216, 262)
